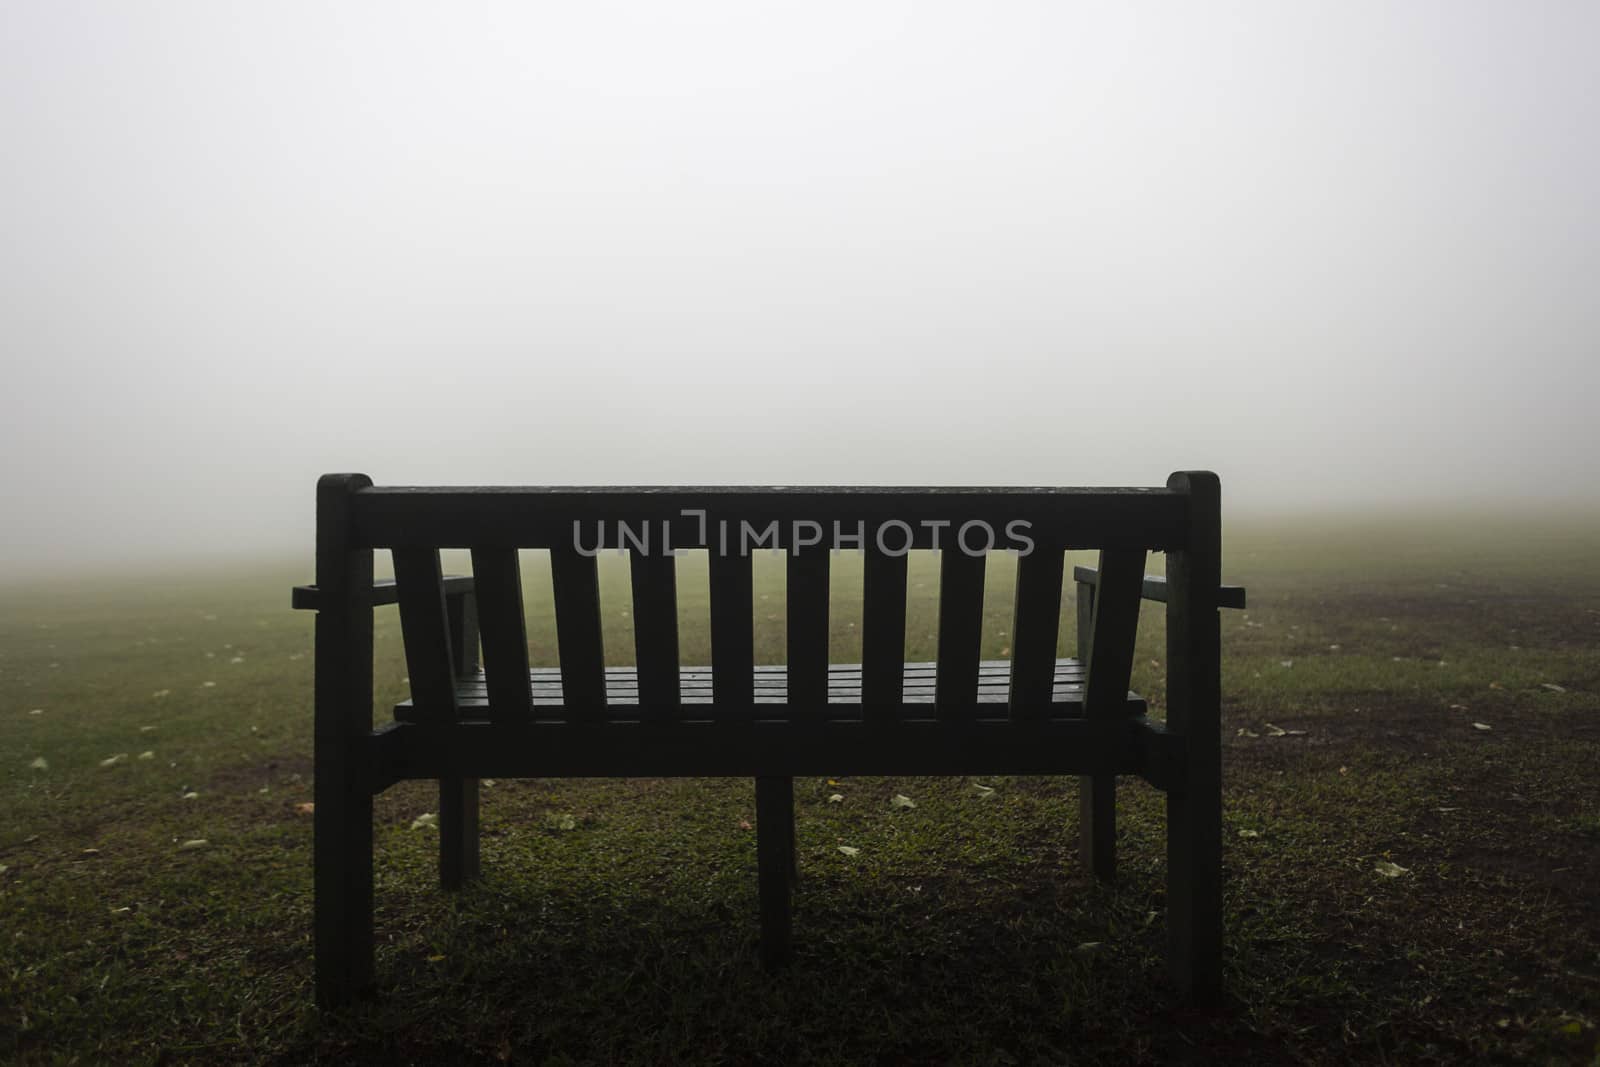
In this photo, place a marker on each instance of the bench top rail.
(718, 516)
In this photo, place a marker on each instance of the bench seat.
(771, 687)
(913, 738)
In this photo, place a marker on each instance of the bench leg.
(342, 886)
(458, 832)
(775, 866)
(1194, 891)
(1097, 824)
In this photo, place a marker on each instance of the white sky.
(1338, 252)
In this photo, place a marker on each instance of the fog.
(1345, 254)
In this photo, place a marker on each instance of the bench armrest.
(307, 597)
(1155, 588)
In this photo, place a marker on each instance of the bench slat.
(1035, 630)
(503, 630)
(807, 595)
(425, 625)
(733, 642)
(655, 629)
(960, 628)
(883, 627)
(575, 585)
(1116, 625)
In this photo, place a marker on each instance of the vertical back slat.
(497, 581)
(1085, 621)
(655, 631)
(575, 589)
(733, 648)
(808, 629)
(883, 633)
(426, 627)
(461, 612)
(1035, 628)
(960, 630)
(1115, 626)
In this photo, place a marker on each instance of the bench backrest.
(574, 524)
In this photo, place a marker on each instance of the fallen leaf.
(1482, 726)
(849, 850)
(40, 764)
(192, 845)
(1391, 870)
(1553, 687)
(900, 800)
(1496, 685)
(147, 754)
(1446, 811)
(146, 729)
(90, 852)
(488, 783)
(191, 795)
(112, 761)
(983, 790)
(836, 798)
(1089, 948)
(425, 819)
(1244, 732)
(1344, 770)
(436, 959)
(1458, 707)
(1275, 731)
(744, 824)
(1249, 833)
(306, 807)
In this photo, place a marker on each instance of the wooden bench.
(1033, 714)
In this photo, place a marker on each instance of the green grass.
(963, 930)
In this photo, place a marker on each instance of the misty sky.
(1338, 252)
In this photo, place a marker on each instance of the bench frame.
(1098, 738)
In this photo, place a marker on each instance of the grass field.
(1422, 695)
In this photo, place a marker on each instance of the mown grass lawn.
(1422, 695)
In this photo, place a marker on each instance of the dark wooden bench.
(1033, 714)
